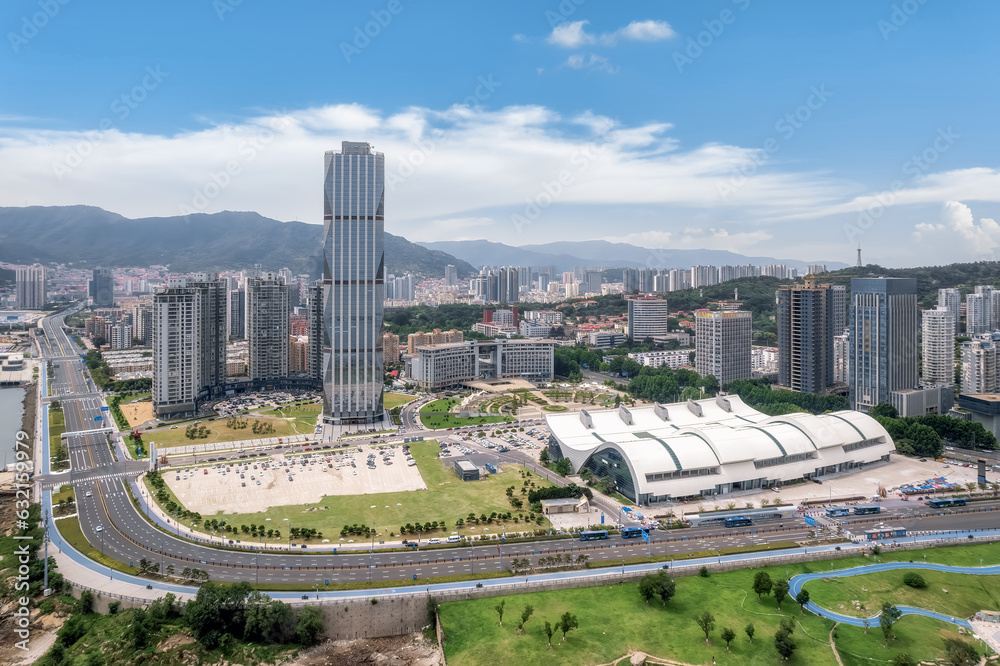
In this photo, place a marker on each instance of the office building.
(436, 367)
(923, 399)
(30, 287)
(883, 333)
(722, 344)
(267, 326)
(605, 339)
(189, 343)
(647, 318)
(450, 275)
(938, 346)
(102, 288)
(354, 272)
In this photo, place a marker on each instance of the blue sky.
(670, 124)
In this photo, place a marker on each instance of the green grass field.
(289, 411)
(58, 454)
(445, 500)
(70, 530)
(219, 432)
(614, 620)
(433, 416)
(965, 594)
(391, 400)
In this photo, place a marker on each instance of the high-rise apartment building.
(317, 332)
(30, 287)
(883, 339)
(980, 358)
(142, 323)
(267, 325)
(390, 348)
(354, 271)
(435, 337)
(102, 288)
(298, 354)
(809, 317)
(450, 275)
(840, 358)
(647, 318)
(938, 346)
(951, 300)
(722, 344)
(236, 313)
(189, 343)
(979, 311)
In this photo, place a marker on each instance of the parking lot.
(261, 400)
(256, 483)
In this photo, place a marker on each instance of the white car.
(100, 529)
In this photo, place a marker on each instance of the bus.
(632, 532)
(838, 511)
(738, 521)
(860, 510)
(593, 534)
(942, 503)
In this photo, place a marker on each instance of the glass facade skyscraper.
(353, 284)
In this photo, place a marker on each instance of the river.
(11, 413)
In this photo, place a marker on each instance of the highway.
(111, 522)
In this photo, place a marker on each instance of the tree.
(567, 623)
(549, 630)
(960, 653)
(525, 615)
(86, 603)
(499, 609)
(780, 592)
(432, 611)
(914, 580)
(706, 621)
(309, 625)
(762, 584)
(666, 587)
(544, 456)
(137, 631)
(750, 630)
(727, 635)
(647, 587)
(883, 409)
(904, 659)
(925, 441)
(802, 598)
(888, 617)
(784, 644)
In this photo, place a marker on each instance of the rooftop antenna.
(859, 254)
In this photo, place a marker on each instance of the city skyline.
(821, 152)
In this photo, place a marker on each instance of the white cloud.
(574, 34)
(594, 62)
(982, 238)
(695, 238)
(456, 228)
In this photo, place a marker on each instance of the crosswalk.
(48, 485)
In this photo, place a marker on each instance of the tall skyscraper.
(450, 275)
(809, 317)
(883, 339)
(236, 313)
(317, 332)
(951, 299)
(189, 343)
(722, 344)
(102, 288)
(267, 326)
(354, 272)
(979, 311)
(938, 346)
(647, 318)
(979, 365)
(30, 287)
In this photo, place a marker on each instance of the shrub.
(703, 572)
(914, 580)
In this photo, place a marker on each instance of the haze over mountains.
(87, 236)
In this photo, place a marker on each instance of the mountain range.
(87, 236)
(566, 255)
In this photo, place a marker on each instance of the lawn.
(58, 454)
(614, 620)
(390, 400)
(445, 500)
(434, 416)
(966, 593)
(287, 411)
(220, 432)
(69, 528)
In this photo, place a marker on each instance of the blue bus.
(632, 532)
(738, 521)
(942, 503)
(838, 511)
(861, 510)
(591, 535)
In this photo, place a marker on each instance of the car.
(305, 596)
(99, 528)
(837, 548)
(923, 460)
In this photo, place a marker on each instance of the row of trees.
(922, 435)
(758, 394)
(566, 623)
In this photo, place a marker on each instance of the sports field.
(445, 500)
